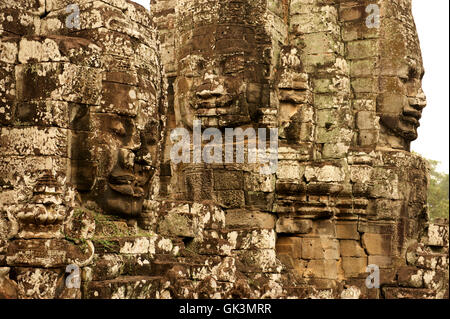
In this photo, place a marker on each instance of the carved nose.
(126, 158)
(419, 101)
(143, 157)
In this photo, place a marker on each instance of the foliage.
(438, 192)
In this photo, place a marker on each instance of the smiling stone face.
(401, 99)
(117, 156)
(125, 149)
(220, 63)
(295, 98)
(115, 145)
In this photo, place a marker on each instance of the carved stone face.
(125, 150)
(220, 70)
(120, 137)
(293, 95)
(401, 99)
(116, 137)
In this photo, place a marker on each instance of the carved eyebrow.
(122, 124)
(118, 127)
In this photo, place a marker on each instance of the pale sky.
(146, 3)
(432, 23)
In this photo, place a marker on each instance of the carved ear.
(82, 169)
(83, 174)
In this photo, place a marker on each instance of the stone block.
(259, 183)
(178, 224)
(286, 225)
(240, 218)
(230, 198)
(407, 293)
(289, 170)
(16, 21)
(351, 248)
(38, 283)
(262, 261)
(8, 287)
(363, 68)
(347, 230)
(43, 113)
(30, 166)
(378, 244)
(327, 173)
(364, 85)
(321, 268)
(199, 186)
(324, 227)
(252, 239)
(33, 6)
(351, 13)
(291, 246)
(380, 261)
(437, 280)
(49, 253)
(32, 141)
(366, 120)
(228, 180)
(362, 49)
(127, 287)
(410, 277)
(434, 261)
(354, 266)
(437, 235)
(259, 201)
(321, 42)
(58, 82)
(320, 248)
(9, 50)
(104, 267)
(7, 92)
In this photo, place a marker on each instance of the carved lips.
(412, 114)
(128, 185)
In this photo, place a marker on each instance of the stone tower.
(93, 204)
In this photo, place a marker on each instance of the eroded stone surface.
(86, 176)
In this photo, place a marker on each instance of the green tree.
(438, 191)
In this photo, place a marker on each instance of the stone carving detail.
(44, 214)
(221, 62)
(87, 180)
(401, 99)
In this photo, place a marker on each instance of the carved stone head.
(116, 141)
(295, 99)
(124, 151)
(221, 62)
(401, 99)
